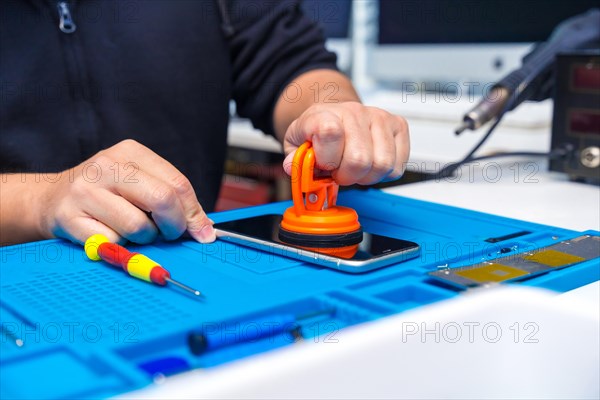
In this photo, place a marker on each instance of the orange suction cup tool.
(314, 222)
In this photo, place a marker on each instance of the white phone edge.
(352, 266)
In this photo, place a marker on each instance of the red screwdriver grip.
(115, 255)
(119, 256)
(159, 275)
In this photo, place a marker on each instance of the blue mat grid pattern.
(110, 324)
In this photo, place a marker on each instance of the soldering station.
(338, 264)
(566, 68)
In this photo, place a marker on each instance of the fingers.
(79, 229)
(384, 151)
(168, 194)
(152, 195)
(325, 130)
(402, 141)
(357, 144)
(287, 162)
(127, 220)
(358, 149)
(133, 195)
(198, 224)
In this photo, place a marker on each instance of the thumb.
(326, 131)
(287, 163)
(293, 139)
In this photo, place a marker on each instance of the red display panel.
(584, 122)
(586, 77)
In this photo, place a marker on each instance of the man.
(127, 103)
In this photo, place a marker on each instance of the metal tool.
(489, 107)
(98, 247)
(216, 336)
(534, 80)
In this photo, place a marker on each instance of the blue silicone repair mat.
(89, 330)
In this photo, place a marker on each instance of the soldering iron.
(534, 80)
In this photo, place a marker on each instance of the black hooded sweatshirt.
(77, 77)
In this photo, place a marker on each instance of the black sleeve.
(271, 43)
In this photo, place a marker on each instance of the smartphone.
(262, 232)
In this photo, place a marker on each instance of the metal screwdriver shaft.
(98, 247)
(184, 287)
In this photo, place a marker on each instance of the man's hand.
(358, 144)
(124, 192)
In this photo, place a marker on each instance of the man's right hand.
(124, 192)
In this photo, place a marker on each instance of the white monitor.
(448, 42)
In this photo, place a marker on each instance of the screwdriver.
(98, 247)
(232, 333)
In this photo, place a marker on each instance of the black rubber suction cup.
(321, 241)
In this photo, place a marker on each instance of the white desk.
(381, 360)
(242, 134)
(525, 191)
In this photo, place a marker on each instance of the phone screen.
(264, 230)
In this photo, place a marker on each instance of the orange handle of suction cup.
(308, 192)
